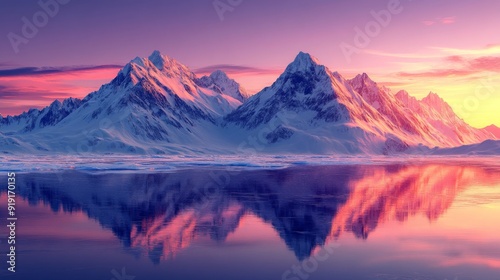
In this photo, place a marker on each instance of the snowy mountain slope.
(220, 82)
(152, 103)
(385, 103)
(493, 129)
(36, 119)
(12, 144)
(432, 120)
(445, 124)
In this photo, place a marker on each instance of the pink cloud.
(447, 20)
(460, 66)
(443, 20)
(30, 87)
(455, 59)
(486, 63)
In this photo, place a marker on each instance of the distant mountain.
(156, 105)
(431, 120)
(382, 99)
(493, 129)
(36, 119)
(220, 82)
(488, 147)
(445, 125)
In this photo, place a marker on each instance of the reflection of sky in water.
(390, 222)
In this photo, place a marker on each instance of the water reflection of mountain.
(307, 206)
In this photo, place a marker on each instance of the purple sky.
(413, 51)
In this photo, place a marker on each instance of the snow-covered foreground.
(121, 163)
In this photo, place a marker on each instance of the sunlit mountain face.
(163, 215)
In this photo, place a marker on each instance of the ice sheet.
(171, 163)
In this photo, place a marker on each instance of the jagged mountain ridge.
(151, 101)
(220, 82)
(385, 103)
(157, 105)
(442, 120)
(34, 118)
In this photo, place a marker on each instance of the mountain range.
(156, 105)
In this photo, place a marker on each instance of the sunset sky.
(448, 47)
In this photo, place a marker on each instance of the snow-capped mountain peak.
(158, 59)
(220, 82)
(156, 67)
(168, 64)
(437, 103)
(408, 101)
(303, 62)
(433, 99)
(363, 80)
(219, 75)
(365, 76)
(402, 94)
(363, 84)
(166, 76)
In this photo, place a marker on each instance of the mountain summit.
(220, 82)
(303, 62)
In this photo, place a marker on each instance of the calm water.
(397, 221)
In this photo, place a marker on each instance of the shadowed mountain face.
(162, 214)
